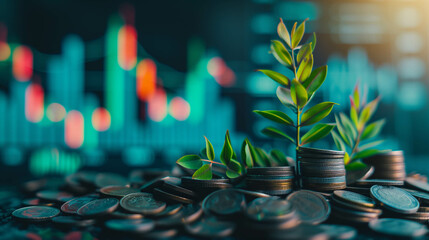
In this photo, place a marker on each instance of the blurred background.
(114, 85)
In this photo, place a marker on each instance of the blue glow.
(264, 24)
(12, 156)
(412, 96)
(138, 156)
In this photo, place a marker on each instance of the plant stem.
(298, 128)
(355, 147)
(205, 160)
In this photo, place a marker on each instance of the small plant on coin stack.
(356, 136)
(257, 157)
(297, 93)
(203, 167)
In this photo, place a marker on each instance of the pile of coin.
(179, 206)
(271, 180)
(321, 170)
(388, 165)
(353, 207)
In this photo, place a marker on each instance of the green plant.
(296, 94)
(203, 166)
(256, 157)
(355, 134)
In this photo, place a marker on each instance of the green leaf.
(276, 133)
(346, 158)
(298, 93)
(355, 166)
(234, 156)
(368, 111)
(354, 116)
(313, 41)
(190, 161)
(304, 52)
(278, 77)
(305, 68)
(203, 153)
(346, 137)
(370, 145)
(279, 157)
(232, 174)
(263, 160)
(316, 113)
(251, 154)
(338, 141)
(315, 80)
(283, 32)
(249, 157)
(235, 166)
(348, 126)
(317, 132)
(276, 116)
(243, 151)
(280, 53)
(297, 35)
(204, 172)
(356, 96)
(284, 95)
(209, 149)
(227, 151)
(365, 153)
(373, 129)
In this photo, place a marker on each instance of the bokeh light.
(179, 108)
(127, 47)
(101, 119)
(74, 129)
(157, 106)
(55, 112)
(4, 51)
(22, 63)
(146, 79)
(221, 72)
(34, 103)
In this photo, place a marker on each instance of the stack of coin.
(270, 180)
(353, 207)
(205, 187)
(388, 165)
(321, 170)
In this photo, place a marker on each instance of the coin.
(251, 194)
(36, 202)
(109, 179)
(131, 226)
(72, 221)
(161, 234)
(188, 214)
(311, 207)
(143, 203)
(169, 210)
(395, 199)
(173, 187)
(339, 231)
(354, 198)
(35, 213)
(384, 182)
(398, 227)
(224, 202)
(270, 209)
(422, 196)
(420, 185)
(319, 151)
(168, 197)
(98, 207)
(53, 195)
(210, 228)
(74, 204)
(302, 231)
(355, 207)
(117, 191)
(118, 214)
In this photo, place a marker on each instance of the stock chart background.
(114, 85)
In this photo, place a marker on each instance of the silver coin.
(224, 202)
(339, 231)
(395, 199)
(270, 209)
(311, 207)
(143, 203)
(354, 198)
(98, 207)
(398, 227)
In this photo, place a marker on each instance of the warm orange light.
(74, 129)
(146, 79)
(157, 105)
(101, 119)
(127, 47)
(55, 112)
(34, 103)
(4, 51)
(179, 108)
(22, 67)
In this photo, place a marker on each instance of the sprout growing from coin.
(356, 135)
(203, 164)
(297, 93)
(257, 157)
